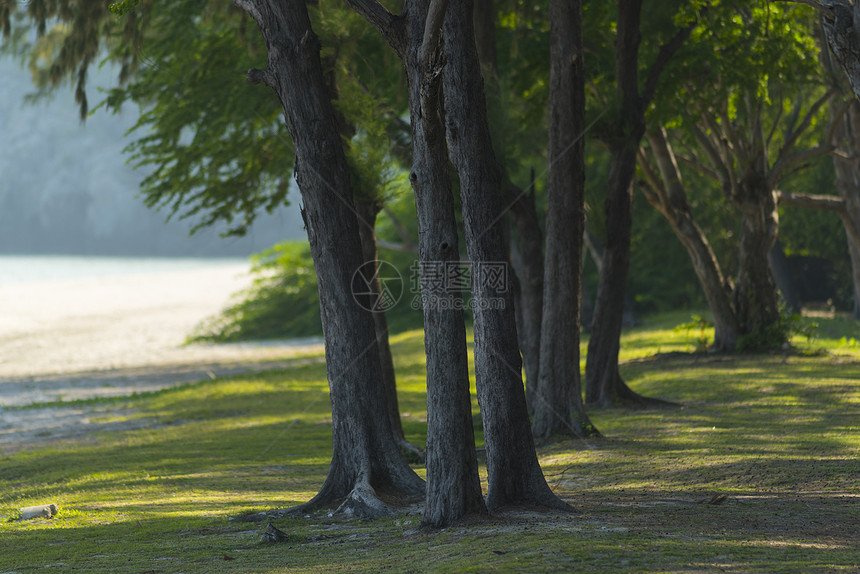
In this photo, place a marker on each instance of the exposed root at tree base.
(362, 503)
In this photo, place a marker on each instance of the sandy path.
(110, 336)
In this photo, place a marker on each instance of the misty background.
(65, 187)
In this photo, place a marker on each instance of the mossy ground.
(777, 435)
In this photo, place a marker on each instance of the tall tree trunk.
(604, 385)
(854, 252)
(559, 408)
(366, 456)
(754, 297)
(514, 475)
(527, 265)
(668, 195)
(367, 210)
(526, 243)
(848, 187)
(453, 485)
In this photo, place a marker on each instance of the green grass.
(778, 434)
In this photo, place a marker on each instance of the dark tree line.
(447, 54)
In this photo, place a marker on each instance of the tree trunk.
(367, 212)
(754, 297)
(854, 251)
(848, 187)
(604, 385)
(527, 264)
(526, 244)
(559, 408)
(669, 197)
(514, 475)
(453, 485)
(366, 457)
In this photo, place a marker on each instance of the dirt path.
(114, 336)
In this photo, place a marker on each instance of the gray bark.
(367, 211)
(453, 486)
(514, 475)
(526, 242)
(365, 455)
(558, 407)
(754, 297)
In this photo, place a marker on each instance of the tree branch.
(667, 51)
(807, 119)
(652, 187)
(694, 162)
(388, 24)
(431, 61)
(809, 201)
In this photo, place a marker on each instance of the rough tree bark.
(453, 485)
(366, 461)
(527, 264)
(514, 475)
(366, 211)
(526, 243)
(668, 195)
(848, 187)
(604, 385)
(558, 407)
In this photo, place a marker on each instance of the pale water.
(17, 269)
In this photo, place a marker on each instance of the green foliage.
(777, 335)
(283, 300)
(700, 324)
(216, 149)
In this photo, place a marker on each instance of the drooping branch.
(391, 26)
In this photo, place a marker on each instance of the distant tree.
(622, 135)
(558, 406)
(762, 84)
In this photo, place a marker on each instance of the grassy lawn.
(758, 471)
